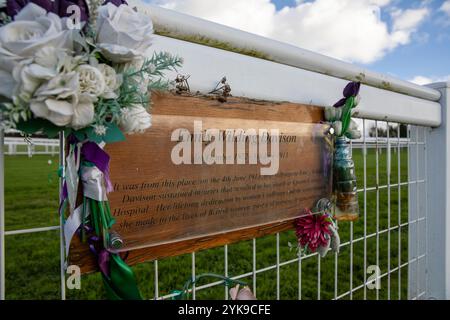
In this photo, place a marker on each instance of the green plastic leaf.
(80, 134)
(92, 136)
(37, 124)
(113, 134)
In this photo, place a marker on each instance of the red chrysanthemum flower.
(311, 230)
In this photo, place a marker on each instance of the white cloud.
(256, 16)
(409, 19)
(426, 80)
(445, 7)
(351, 30)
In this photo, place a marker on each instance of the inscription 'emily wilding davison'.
(217, 140)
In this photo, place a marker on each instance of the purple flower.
(350, 90)
(58, 7)
(340, 103)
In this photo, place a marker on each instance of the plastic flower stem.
(347, 114)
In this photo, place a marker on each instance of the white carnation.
(135, 119)
(91, 80)
(112, 81)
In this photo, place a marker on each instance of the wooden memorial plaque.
(163, 208)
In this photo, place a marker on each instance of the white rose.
(112, 81)
(77, 114)
(28, 78)
(91, 80)
(59, 101)
(83, 111)
(122, 33)
(135, 64)
(32, 30)
(135, 119)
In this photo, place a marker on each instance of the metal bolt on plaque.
(115, 240)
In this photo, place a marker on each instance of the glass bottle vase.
(344, 183)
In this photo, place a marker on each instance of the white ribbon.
(93, 183)
(71, 180)
(72, 224)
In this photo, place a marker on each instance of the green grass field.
(32, 260)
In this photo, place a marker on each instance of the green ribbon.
(121, 283)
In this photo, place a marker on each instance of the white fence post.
(438, 226)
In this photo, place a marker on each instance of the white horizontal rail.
(184, 25)
(32, 230)
(33, 141)
(261, 79)
(51, 146)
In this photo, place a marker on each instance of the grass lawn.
(32, 260)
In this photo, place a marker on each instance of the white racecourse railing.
(301, 76)
(30, 147)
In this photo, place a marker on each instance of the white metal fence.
(403, 190)
(30, 147)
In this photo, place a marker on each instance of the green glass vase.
(344, 183)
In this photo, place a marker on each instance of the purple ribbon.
(93, 153)
(103, 257)
(103, 262)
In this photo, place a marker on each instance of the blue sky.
(428, 53)
(409, 39)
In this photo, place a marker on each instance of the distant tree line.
(382, 132)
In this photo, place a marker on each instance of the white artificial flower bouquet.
(83, 71)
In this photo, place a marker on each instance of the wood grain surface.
(162, 209)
